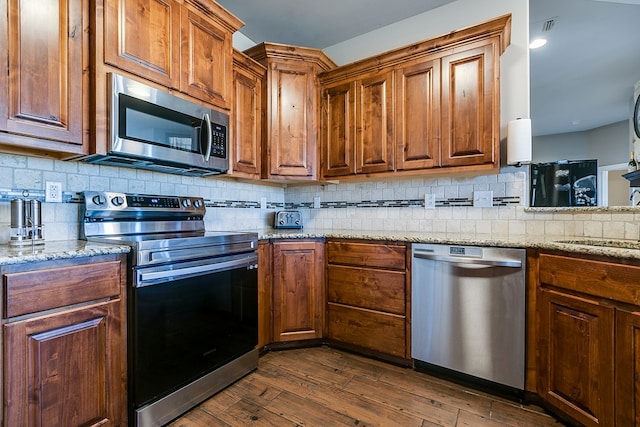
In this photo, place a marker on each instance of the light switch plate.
(429, 201)
(483, 199)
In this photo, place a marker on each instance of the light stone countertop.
(580, 245)
(53, 250)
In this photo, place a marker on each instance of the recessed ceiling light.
(537, 43)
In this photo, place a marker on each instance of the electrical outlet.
(316, 202)
(53, 192)
(429, 201)
(263, 203)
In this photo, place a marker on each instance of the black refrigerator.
(564, 183)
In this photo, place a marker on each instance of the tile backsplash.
(389, 205)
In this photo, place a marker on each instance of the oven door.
(187, 319)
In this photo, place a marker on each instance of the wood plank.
(288, 405)
(407, 403)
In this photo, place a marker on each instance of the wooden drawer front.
(374, 289)
(33, 291)
(598, 278)
(367, 254)
(367, 328)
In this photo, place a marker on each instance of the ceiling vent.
(549, 24)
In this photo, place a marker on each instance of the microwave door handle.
(207, 152)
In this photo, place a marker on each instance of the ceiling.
(582, 79)
(320, 24)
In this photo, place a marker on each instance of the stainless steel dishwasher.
(468, 312)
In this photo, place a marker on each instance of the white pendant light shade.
(519, 141)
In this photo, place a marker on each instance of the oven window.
(186, 328)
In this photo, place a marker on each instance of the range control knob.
(197, 203)
(99, 200)
(117, 201)
(186, 203)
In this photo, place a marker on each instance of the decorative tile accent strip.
(497, 201)
(7, 195)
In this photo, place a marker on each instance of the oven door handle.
(155, 277)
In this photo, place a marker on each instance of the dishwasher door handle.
(476, 261)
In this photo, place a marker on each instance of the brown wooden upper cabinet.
(358, 120)
(248, 116)
(44, 86)
(431, 105)
(291, 106)
(180, 44)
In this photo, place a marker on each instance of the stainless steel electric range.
(191, 303)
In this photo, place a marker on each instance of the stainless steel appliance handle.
(154, 276)
(477, 261)
(207, 153)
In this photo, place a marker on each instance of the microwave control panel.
(219, 144)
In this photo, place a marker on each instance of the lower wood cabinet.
(576, 348)
(368, 297)
(64, 351)
(627, 362)
(298, 290)
(588, 338)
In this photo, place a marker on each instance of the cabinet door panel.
(627, 368)
(247, 132)
(576, 354)
(374, 330)
(338, 130)
(298, 290)
(45, 70)
(469, 107)
(418, 118)
(141, 36)
(65, 369)
(374, 134)
(367, 288)
(293, 120)
(206, 59)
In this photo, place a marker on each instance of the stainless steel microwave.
(155, 130)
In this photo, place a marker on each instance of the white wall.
(609, 144)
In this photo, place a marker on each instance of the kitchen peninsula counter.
(617, 248)
(57, 250)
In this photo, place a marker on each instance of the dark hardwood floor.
(323, 386)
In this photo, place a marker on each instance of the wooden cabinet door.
(43, 90)
(143, 37)
(374, 126)
(418, 116)
(265, 329)
(338, 130)
(292, 112)
(470, 100)
(207, 63)
(248, 88)
(576, 357)
(298, 290)
(66, 369)
(627, 368)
